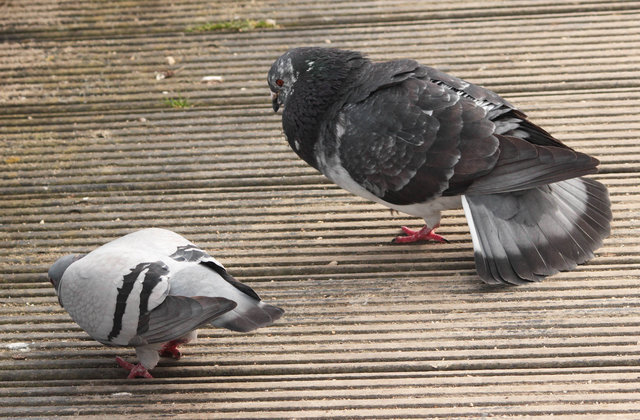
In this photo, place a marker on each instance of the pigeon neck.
(316, 97)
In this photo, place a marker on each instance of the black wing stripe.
(121, 300)
(153, 276)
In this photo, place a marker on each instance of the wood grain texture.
(90, 150)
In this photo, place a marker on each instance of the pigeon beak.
(274, 101)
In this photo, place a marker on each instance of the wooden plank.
(90, 151)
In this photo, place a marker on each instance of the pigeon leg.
(170, 349)
(135, 371)
(424, 234)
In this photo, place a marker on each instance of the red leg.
(170, 349)
(135, 371)
(424, 234)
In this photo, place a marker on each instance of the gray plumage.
(153, 287)
(420, 141)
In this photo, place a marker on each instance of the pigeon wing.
(207, 279)
(403, 141)
(193, 254)
(523, 165)
(507, 118)
(177, 316)
(527, 157)
(213, 265)
(482, 96)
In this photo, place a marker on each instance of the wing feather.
(177, 316)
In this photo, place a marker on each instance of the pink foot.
(135, 371)
(170, 349)
(424, 234)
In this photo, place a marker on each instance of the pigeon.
(420, 141)
(151, 289)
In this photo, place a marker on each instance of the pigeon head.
(60, 266)
(325, 68)
(282, 76)
(309, 82)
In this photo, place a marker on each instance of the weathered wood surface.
(90, 151)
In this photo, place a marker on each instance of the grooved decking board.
(90, 151)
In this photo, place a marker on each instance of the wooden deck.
(91, 148)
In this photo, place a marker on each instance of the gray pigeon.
(152, 289)
(420, 141)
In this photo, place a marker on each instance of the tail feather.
(599, 218)
(524, 236)
(209, 279)
(249, 316)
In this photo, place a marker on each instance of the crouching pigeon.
(152, 289)
(420, 141)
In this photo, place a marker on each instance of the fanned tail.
(524, 236)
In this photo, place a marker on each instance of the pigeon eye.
(280, 82)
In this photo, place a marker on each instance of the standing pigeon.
(420, 141)
(152, 289)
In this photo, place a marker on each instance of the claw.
(424, 234)
(135, 371)
(170, 349)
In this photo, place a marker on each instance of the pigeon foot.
(170, 349)
(424, 234)
(135, 371)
